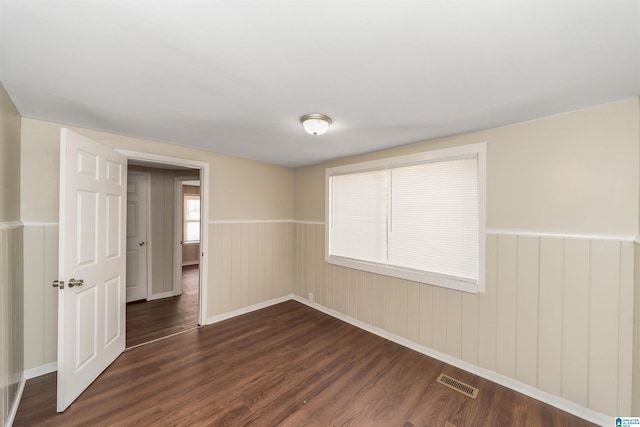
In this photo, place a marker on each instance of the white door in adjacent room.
(137, 243)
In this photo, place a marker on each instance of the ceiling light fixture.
(315, 124)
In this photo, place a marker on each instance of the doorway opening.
(165, 272)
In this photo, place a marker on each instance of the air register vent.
(463, 388)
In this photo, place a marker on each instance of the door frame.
(177, 230)
(204, 215)
(147, 196)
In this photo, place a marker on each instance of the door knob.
(58, 283)
(73, 282)
(142, 243)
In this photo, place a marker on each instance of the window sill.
(415, 276)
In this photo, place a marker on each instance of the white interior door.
(92, 266)
(137, 244)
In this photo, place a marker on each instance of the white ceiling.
(235, 76)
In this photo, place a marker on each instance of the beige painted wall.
(9, 159)
(240, 189)
(11, 255)
(558, 313)
(575, 173)
(242, 192)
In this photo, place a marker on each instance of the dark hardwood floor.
(150, 320)
(285, 365)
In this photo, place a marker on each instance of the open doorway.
(163, 291)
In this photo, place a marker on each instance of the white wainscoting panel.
(11, 320)
(41, 299)
(557, 314)
(249, 263)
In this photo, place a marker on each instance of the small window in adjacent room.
(191, 232)
(419, 217)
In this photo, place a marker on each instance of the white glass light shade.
(315, 124)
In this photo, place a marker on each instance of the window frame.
(477, 150)
(185, 221)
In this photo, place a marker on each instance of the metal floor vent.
(463, 388)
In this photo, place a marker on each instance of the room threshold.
(161, 338)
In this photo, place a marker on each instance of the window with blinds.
(191, 223)
(417, 217)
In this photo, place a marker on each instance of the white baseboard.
(40, 370)
(16, 402)
(520, 387)
(160, 296)
(248, 309)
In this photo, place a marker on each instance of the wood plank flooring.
(149, 320)
(285, 365)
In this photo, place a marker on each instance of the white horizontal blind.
(434, 218)
(359, 217)
(418, 217)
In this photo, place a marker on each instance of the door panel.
(91, 315)
(87, 236)
(86, 345)
(113, 308)
(113, 231)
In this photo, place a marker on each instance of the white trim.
(616, 237)
(161, 338)
(40, 224)
(555, 401)
(188, 263)
(178, 230)
(481, 150)
(158, 158)
(16, 402)
(412, 275)
(204, 226)
(41, 370)
(248, 309)
(457, 152)
(161, 295)
(149, 224)
(263, 221)
(248, 221)
(11, 224)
